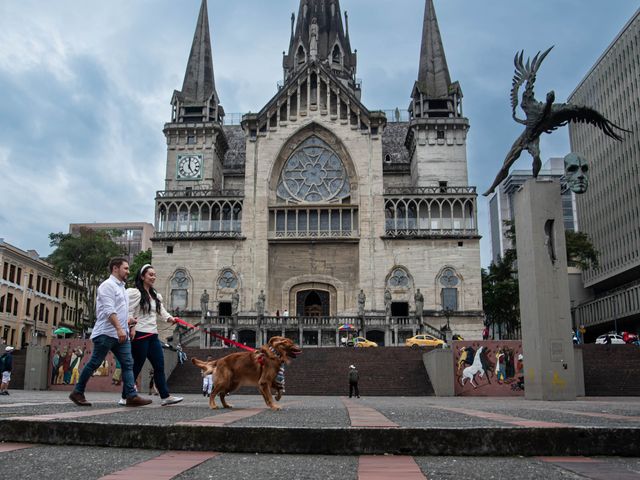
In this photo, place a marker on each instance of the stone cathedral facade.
(318, 197)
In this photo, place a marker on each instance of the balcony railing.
(199, 194)
(309, 222)
(463, 190)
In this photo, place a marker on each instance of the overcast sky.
(85, 87)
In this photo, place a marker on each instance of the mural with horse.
(488, 368)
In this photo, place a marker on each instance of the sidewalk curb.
(493, 441)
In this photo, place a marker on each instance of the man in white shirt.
(111, 334)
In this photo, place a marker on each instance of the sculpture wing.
(525, 74)
(512, 156)
(567, 112)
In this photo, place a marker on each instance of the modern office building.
(316, 196)
(501, 207)
(609, 212)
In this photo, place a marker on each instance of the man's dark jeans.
(144, 347)
(353, 389)
(102, 345)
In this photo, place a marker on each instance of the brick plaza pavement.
(363, 438)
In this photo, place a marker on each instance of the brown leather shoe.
(78, 399)
(138, 401)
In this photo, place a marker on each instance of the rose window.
(314, 173)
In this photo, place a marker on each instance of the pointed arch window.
(449, 292)
(398, 279)
(314, 173)
(336, 55)
(180, 290)
(301, 55)
(228, 279)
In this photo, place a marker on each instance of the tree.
(500, 295)
(139, 261)
(580, 251)
(82, 259)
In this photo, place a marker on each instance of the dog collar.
(276, 353)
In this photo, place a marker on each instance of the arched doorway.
(376, 336)
(247, 337)
(313, 303)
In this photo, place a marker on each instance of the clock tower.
(196, 142)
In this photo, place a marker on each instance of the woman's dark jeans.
(150, 348)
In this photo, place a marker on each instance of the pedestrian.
(181, 355)
(145, 306)
(6, 364)
(278, 313)
(285, 313)
(207, 381)
(485, 332)
(353, 381)
(520, 371)
(111, 334)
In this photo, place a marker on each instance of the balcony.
(334, 223)
(430, 212)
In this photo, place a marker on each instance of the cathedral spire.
(319, 27)
(433, 74)
(198, 97)
(436, 95)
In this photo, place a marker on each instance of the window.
(5, 271)
(398, 278)
(12, 273)
(450, 299)
(191, 140)
(179, 290)
(228, 279)
(314, 173)
(31, 280)
(169, 249)
(440, 134)
(28, 307)
(443, 186)
(19, 276)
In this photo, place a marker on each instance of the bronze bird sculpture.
(543, 117)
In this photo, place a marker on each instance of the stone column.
(544, 293)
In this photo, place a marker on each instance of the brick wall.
(611, 370)
(392, 371)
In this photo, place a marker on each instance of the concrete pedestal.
(550, 370)
(36, 367)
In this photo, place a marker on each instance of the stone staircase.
(392, 371)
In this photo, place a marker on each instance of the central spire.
(198, 99)
(319, 35)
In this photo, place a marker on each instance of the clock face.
(189, 167)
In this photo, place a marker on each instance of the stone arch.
(335, 287)
(295, 141)
(402, 293)
(444, 272)
(182, 297)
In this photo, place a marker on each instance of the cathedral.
(318, 216)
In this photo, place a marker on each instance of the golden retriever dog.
(257, 369)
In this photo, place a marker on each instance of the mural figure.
(76, 359)
(467, 355)
(500, 367)
(476, 368)
(55, 366)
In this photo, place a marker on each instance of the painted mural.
(68, 357)
(492, 368)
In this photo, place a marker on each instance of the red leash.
(224, 339)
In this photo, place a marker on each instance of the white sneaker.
(122, 402)
(171, 400)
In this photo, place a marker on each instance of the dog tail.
(206, 367)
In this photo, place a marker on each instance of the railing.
(464, 190)
(165, 236)
(294, 222)
(430, 233)
(199, 194)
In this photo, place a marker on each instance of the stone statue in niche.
(260, 303)
(235, 302)
(387, 303)
(419, 299)
(362, 298)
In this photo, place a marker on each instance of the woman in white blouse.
(145, 305)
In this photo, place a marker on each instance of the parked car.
(614, 337)
(423, 341)
(361, 342)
